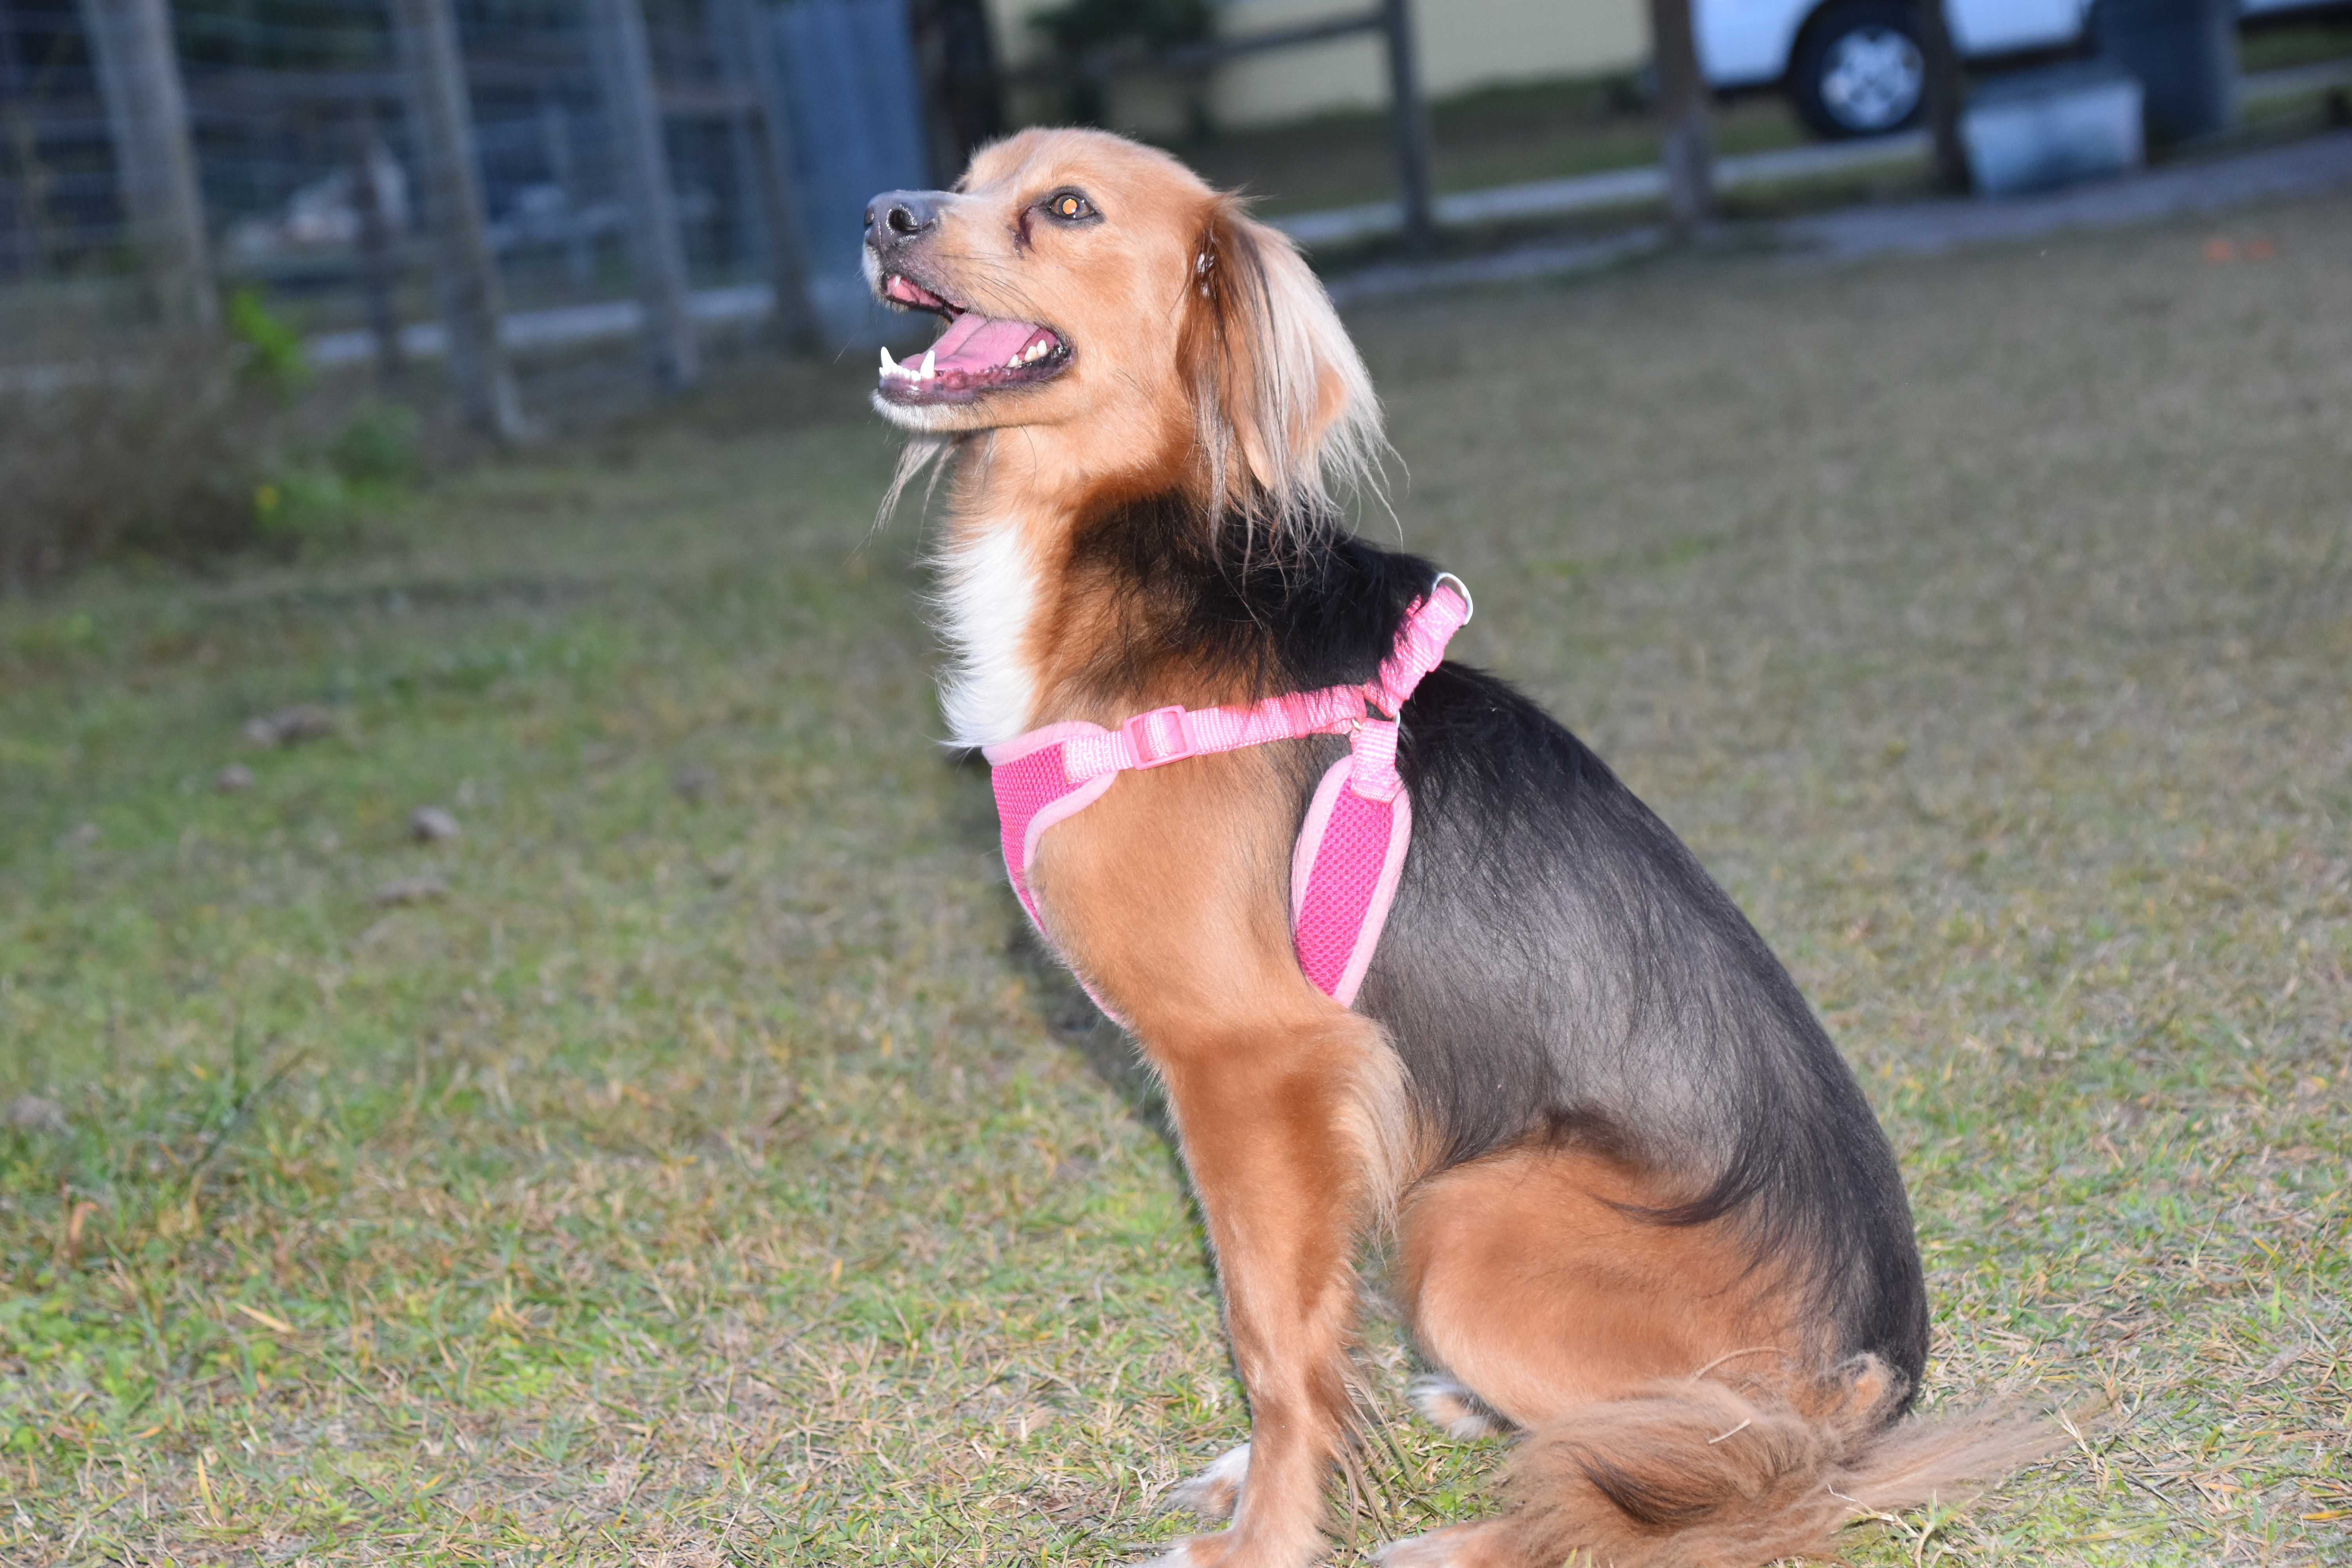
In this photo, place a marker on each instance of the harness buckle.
(1159, 736)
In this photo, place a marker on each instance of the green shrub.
(273, 349)
(301, 504)
(376, 446)
(186, 454)
(312, 496)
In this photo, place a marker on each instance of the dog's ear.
(1285, 406)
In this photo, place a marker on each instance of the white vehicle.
(1853, 68)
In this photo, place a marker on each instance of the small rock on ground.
(291, 726)
(412, 890)
(431, 824)
(233, 778)
(35, 1113)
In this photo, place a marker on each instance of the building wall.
(1464, 45)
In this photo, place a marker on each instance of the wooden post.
(1682, 108)
(1941, 62)
(20, 242)
(750, 53)
(1410, 116)
(633, 125)
(373, 182)
(464, 273)
(154, 161)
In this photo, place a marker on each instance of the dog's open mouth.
(977, 353)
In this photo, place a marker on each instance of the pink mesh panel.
(1023, 788)
(1343, 876)
(1033, 791)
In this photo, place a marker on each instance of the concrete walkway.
(1639, 186)
(552, 327)
(1924, 229)
(1646, 184)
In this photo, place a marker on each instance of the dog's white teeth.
(928, 371)
(889, 365)
(1034, 352)
(1013, 364)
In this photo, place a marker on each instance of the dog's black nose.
(896, 217)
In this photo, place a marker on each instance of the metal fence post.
(155, 164)
(464, 273)
(1411, 117)
(625, 80)
(751, 51)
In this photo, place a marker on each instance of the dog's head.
(1098, 295)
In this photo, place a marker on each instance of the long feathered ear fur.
(1285, 406)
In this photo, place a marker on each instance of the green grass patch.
(1498, 136)
(690, 1162)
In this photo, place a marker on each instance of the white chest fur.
(988, 592)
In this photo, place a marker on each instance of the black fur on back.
(1557, 966)
(1288, 609)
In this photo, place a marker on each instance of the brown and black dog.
(1640, 1210)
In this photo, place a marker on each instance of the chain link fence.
(586, 188)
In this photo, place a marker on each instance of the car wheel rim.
(1871, 79)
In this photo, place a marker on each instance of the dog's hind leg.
(1554, 1308)
(1525, 1276)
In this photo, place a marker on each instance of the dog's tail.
(1700, 1472)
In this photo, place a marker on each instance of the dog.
(1638, 1209)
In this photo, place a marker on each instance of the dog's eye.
(1069, 206)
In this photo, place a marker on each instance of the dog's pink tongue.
(976, 343)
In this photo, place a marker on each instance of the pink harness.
(1343, 873)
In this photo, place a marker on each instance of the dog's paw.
(1214, 1492)
(1454, 1409)
(1438, 1549)
(1192, 1552)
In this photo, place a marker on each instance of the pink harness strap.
(1350, 851)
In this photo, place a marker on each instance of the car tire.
(1860, 70)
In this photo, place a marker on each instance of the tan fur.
(1529, 1280)
(1698, 1473)
(1674, 1413)
(1198, 334)
(1266, 1077)
(1652, 1366)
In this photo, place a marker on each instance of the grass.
(2296, 41)
(1498, 137)
(709, 1173)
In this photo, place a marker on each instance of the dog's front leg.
(1281, 1126)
